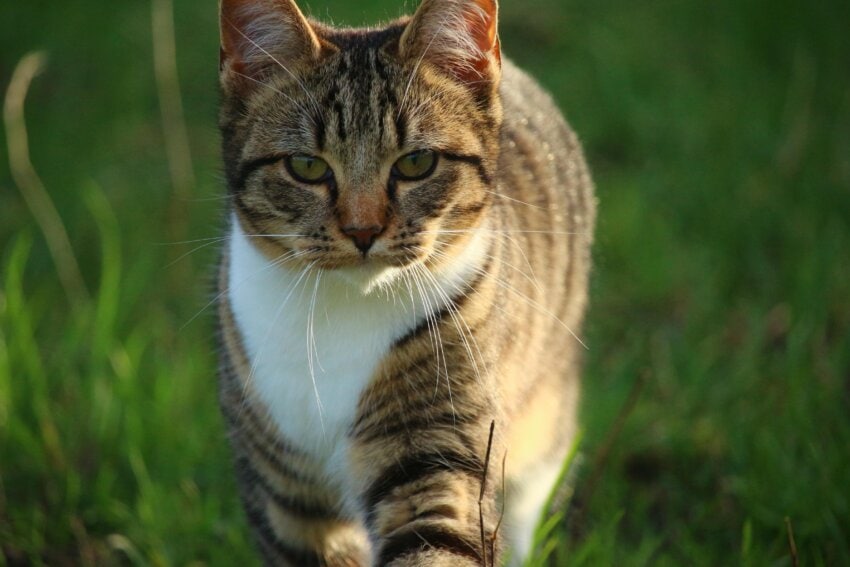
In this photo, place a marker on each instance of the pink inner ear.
(232, 41)
(484, 34)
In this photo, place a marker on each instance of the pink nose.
(363, 237)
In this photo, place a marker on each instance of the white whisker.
(277, 262)
(258, 355)
(312, 348)
(503, 196)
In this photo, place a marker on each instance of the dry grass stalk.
(29, 183)
(792, 545)
(174, 128)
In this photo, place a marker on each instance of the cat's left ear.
(260, 36)
(458, 36)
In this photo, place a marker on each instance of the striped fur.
(358, 388)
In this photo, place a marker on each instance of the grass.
(720, 140)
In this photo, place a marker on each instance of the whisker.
(532, 303)
(503, 196)
(213, 238)
(455, 314)
(192, 251)
(435, 334)
(259, 354)
(313, 348)
(280, 260)
(501, 231)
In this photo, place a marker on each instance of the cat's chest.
(313, 343)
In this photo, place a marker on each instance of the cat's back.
(541, 156)
(545, 197)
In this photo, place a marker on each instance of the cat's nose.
(363, 237)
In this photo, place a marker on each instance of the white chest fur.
(314, 340)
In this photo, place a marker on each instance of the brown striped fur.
(509, 168)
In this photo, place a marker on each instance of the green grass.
(720, 140)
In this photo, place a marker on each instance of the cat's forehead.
(359, 90)
(362, 57)
(361, 38)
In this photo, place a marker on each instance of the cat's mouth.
(383, 256)
(368, 277)
(371, 271)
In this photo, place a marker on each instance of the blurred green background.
(717, 397)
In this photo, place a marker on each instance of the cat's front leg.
(423, 499)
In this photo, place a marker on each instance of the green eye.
(415, 165)
(308, 169)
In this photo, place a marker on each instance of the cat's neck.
(370, 284)
(315, 338)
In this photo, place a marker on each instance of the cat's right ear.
(458, 36)
(259, 36)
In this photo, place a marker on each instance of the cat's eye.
(308, 169)
(415, 165)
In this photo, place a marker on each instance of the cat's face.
(348, 148)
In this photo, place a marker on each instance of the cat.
(406, 267)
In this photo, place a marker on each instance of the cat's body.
(362, 367)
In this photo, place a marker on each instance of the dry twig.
(481, 493)
(495, 533)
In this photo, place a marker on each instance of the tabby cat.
(406, 264)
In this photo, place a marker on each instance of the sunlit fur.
(359, 385)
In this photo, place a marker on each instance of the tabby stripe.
(462, 210)
(320, 133)
(331, 96)
(429, 537)
(445, 420)
(418, 378)
(291, 505)
(580, 188)
(392, 99)
(296, 556)
(248, 217)
(258, 440)
(273, 459)
(456, 302)
(340, 121)
(333, 192)
(472, 160)
(401, 129)
(427, 323)
(249, 167)
(241, 412)
(250, 214)
(575, 240)
(392, 189)
(389, 404)
(416, 467)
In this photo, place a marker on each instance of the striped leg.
(295, 517)
(294, 530)
(422, 501)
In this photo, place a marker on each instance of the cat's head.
(347, 148)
